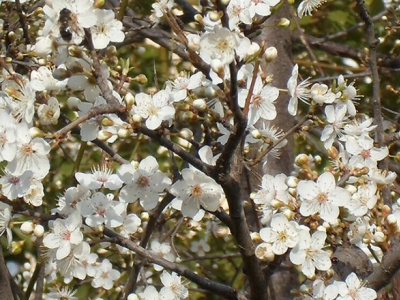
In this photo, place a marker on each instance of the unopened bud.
(141, 78)
(391, 219)
(129, 100)
(302, 161)
(379, 237)
(264, 252)
(214, 16)
(188, 116)
(283, 22)
(200, 104)
(73, 103)
(137, 118)
(218, 67)
(292, 181)
(75, 51)
(123, 132)
(27, 227)
(36, 132)
(270, 54)
(386, 210)
(255, 237)
(38, 231)
(104, 135)
(186, 133)
(98, 3)
(333, 152)
(252, 52)
(256, 134)
(144, 216)
(198, 18)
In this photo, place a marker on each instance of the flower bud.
(98, 3)
(292, 181)
(73, 103)
(123, 132)
(283, 22)
(391, 219)
(255, 237)
(270, 54)
(38, 231)
(379, 237)
(186, 133)
(214, 16)
(386, 210)
(218, 67)
(302, 161)
(137, 118)
(252, 52)
(200, 104)
(141, 78)
(27, 227)
(256, 134)
(144, 216)
(104, 135)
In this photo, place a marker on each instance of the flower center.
(66, 235)
(27, 149)
(322, 197)
(13, 179)
(143, 181)
(365, 153)
(256, 99)
(196, 190)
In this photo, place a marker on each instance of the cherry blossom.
(364, 199)
(309, 254)
(296, 91)
(173, 288)
(66, 232)
(101, 176)
(105, 275)
(196, 190)
(282, 234)
(272, 188)
(14, 185)
(107, 29)
(145, 183)
(352, 289)
(322, 197)
(154, 109)
(261, 101)
(101, 210)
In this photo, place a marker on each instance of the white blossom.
(145, 183)
(107, 29)
(309, 254)
(322, 197)
(105, 275)
(196, 190)
(66, 232)
(154, 109)
(173, 288)
(282, 234)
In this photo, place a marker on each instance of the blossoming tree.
(159, 150)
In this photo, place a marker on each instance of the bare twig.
(203, 282)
